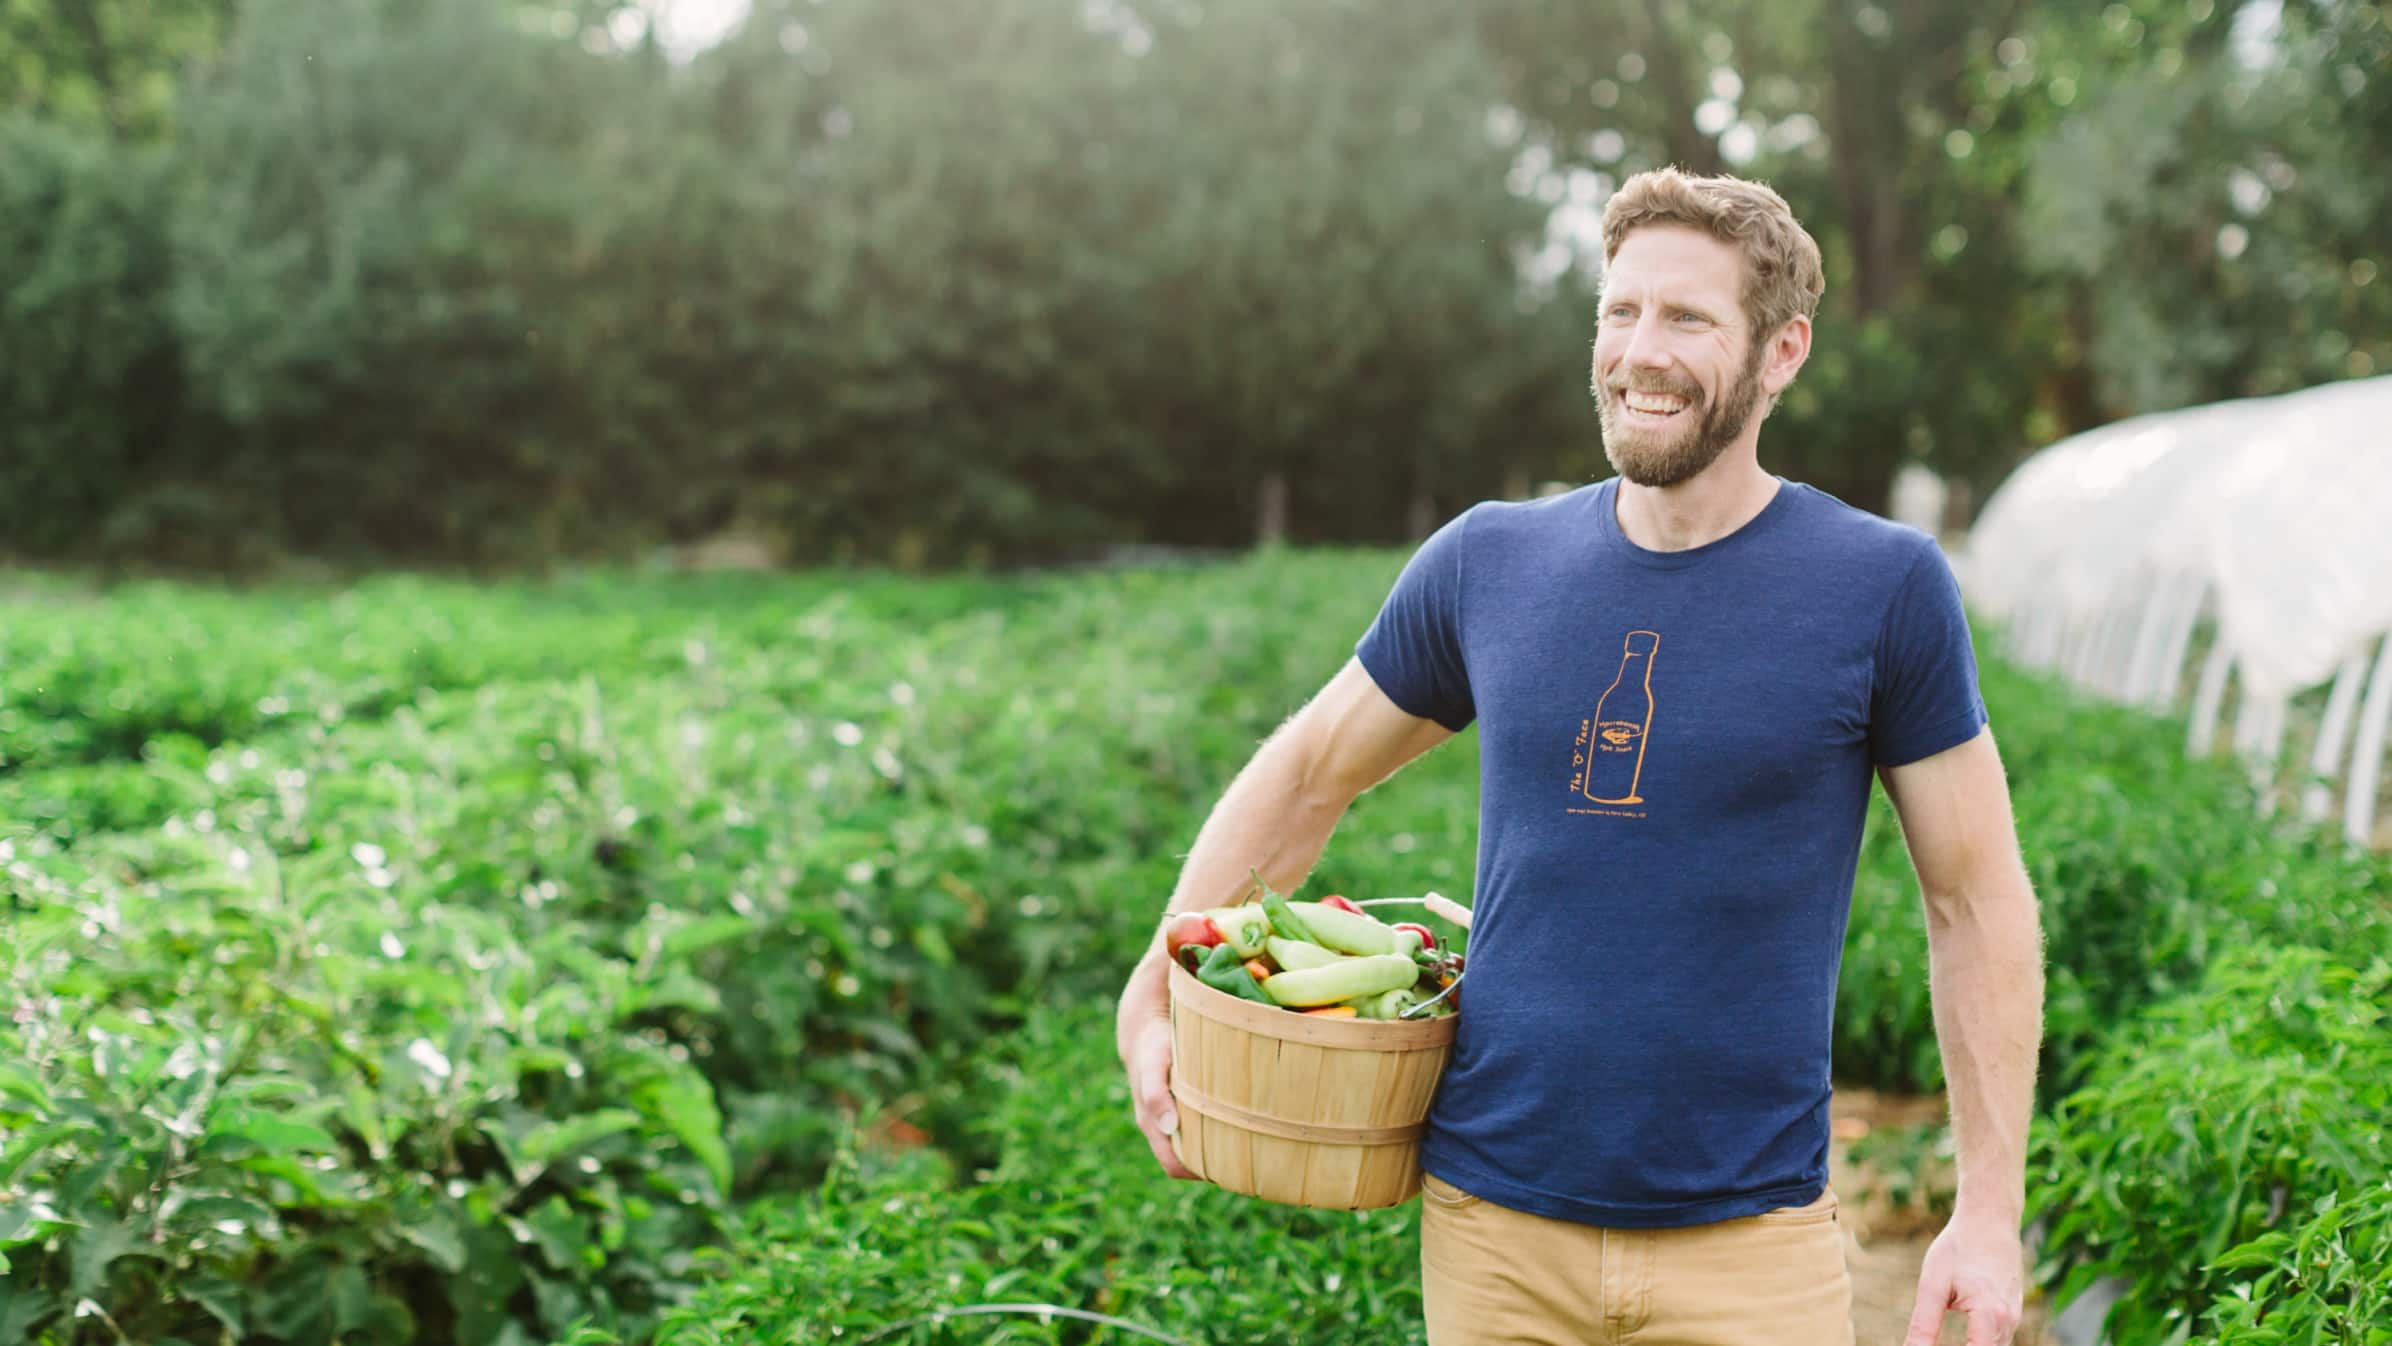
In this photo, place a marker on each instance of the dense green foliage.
(902, 282)
(1074, 1214)
(103, 64)
(87, 347)
(504, 895)
(2207, 1118)
(455, 282)
(420, 961)
(2320, 1280)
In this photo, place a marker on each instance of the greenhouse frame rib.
(2241, 544)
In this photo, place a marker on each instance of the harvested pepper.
(1224, 970)
(1333, 1012)
(1389, 1004)
(1345, 979)
(1294, 955)
(1284, 919)
(1190, 928)
(1245, 926)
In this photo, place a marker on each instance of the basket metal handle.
(1423, 1007)
(1443, 906)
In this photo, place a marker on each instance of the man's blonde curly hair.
(1783, 278)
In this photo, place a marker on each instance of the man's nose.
(1646, 349)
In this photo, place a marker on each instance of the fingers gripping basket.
(1299, 1110)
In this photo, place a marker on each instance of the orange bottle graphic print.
(1615, 756)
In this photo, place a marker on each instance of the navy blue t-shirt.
(1675, 755)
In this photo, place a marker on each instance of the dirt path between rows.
(1883, 1244)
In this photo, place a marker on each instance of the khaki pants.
(1493, 1276)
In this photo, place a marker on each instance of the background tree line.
(440, 281)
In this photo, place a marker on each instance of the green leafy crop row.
(472, 1014)
(432, 961)
(2208, 1119)
(2322, 1279)
(1075, 1214)
(91, 680)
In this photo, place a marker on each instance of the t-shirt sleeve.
(1414, 648)
(1926, 697)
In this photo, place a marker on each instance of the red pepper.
(1333, 900)
(1190, 928)
(1428, 940)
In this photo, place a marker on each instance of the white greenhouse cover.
(2278, 509)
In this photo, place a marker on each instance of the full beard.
(1668, 455)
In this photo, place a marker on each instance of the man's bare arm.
(1277, 815)
(1985, 972)
(1985, 963)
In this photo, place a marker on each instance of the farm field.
(636, 957)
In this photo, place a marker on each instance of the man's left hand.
(1977, 1267)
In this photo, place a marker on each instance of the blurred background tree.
(442, 282)
(112, 65)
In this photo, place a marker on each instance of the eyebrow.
(1604, 303)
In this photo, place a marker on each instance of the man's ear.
(1788, 351)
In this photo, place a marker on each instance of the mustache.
(1688, 391)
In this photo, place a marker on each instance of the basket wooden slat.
(1299, 1110)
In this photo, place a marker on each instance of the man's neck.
(1717, 501)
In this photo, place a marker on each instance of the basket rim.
(1274, 1022)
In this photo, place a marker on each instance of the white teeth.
(1659, 404)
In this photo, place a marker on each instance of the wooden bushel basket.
(1299, 1110)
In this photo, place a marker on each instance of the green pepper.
(1284, 920)
(1225, 970)
(1389, 1004)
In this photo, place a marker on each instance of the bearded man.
(1686, 677)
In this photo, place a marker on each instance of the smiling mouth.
(1651, 407)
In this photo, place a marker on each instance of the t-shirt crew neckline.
(1608, 520)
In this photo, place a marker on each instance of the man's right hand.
(1149, 1064)
(1281, 807)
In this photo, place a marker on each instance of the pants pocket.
(1444, 1194)
(1778, 1276)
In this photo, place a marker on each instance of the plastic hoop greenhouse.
(2230, 559)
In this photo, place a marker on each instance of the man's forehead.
(1680, 262)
